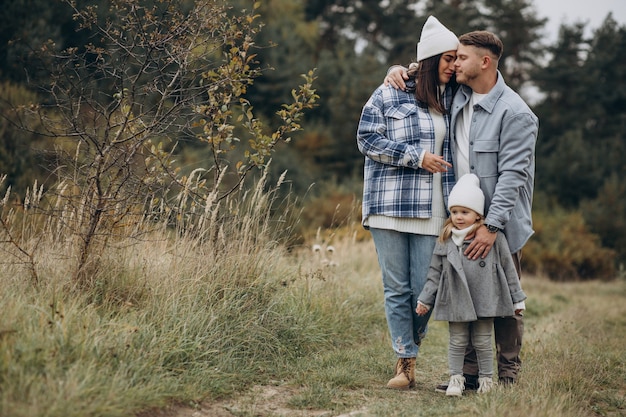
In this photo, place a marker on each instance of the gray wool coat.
(462, 290)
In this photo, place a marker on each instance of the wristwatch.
(492, 229)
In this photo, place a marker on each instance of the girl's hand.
(421, 309)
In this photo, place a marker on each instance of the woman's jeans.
(479, 333)
(404, 260)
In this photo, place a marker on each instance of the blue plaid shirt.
(393, 131)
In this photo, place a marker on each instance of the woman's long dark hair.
(426, 74)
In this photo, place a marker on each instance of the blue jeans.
(404, 260)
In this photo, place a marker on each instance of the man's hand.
(481, 245)
(435, 163)
(396, 76)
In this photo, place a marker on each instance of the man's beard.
(465, 78)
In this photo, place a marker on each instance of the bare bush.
(153, 74)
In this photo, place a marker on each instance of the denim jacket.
(502, 140)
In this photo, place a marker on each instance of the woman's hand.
(435, 163)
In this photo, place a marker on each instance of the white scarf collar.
(458, 235)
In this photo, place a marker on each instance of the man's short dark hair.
(483, 39)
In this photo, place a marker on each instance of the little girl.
(469, 293)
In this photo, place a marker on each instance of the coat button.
(482, 264)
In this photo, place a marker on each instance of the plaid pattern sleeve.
(386, 127)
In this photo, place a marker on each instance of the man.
(493, 136)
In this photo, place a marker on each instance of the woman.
(404, 137)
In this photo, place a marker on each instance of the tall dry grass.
(199, 318)
(176, 315)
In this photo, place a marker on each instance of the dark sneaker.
(471, 384)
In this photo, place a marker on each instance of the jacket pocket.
(401, 111)
(443, 292)
(486, 154)
(402, 123)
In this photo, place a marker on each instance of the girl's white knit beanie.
(467, 193)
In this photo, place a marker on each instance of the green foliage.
(605, 215)
(22, 30)
(581, 139)
(23, 156)
(563, 248)
(344, 81)
(586, 77)
(386, 27)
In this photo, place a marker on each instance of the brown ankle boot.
(405, 374)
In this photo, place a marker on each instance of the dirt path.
(261, 401)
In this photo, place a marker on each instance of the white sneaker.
(485, 384)
(456, 386)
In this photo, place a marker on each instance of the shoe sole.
(401, 387)
(443, 388)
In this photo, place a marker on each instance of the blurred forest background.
(576, 86)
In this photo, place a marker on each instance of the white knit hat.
(435, 39)
(467, 193)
